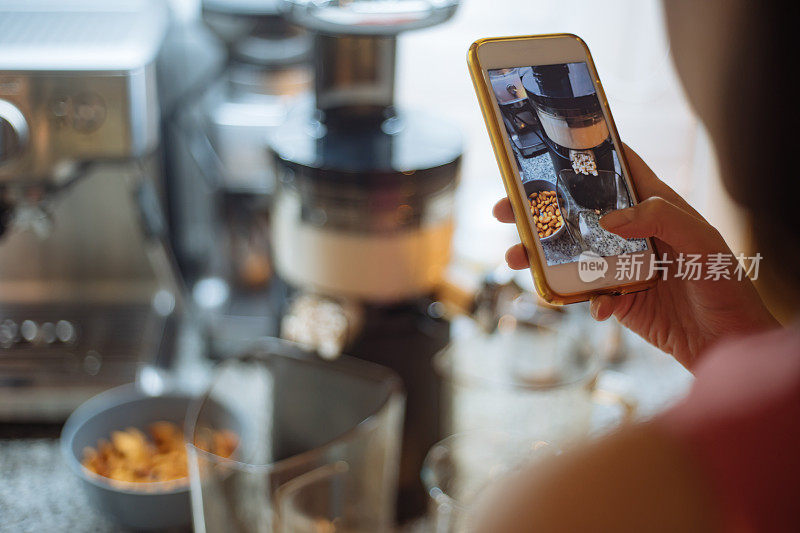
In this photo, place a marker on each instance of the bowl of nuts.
(128, 450)
(546, 204)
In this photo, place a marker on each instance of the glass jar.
(294, 414)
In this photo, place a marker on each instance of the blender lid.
(369, 17)
(407, 145)
(566, 80)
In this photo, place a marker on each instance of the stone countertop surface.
(563, 248)
(39, 493)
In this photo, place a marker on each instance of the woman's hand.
(681, 317)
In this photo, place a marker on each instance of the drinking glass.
(462, 468)
(294, 415)
(328, 499)
(536, 380)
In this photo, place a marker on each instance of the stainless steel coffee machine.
(86, 285)
(518, 114)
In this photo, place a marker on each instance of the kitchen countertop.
(39, 493)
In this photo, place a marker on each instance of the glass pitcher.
(293, 415)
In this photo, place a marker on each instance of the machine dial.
(13, 132)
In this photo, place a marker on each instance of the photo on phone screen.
(566, 158)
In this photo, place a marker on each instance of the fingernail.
(593, 308)
(617, 219)
(598, 304)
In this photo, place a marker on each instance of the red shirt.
(741, 422)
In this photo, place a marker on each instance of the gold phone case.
(519, 204)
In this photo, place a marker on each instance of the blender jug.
(364, 205)
(296, 414)
(603, 192)
(570, 114)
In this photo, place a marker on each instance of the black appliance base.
(406, 338)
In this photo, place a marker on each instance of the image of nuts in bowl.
(132, 456)
(547, 215)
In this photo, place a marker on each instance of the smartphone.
(562, 164)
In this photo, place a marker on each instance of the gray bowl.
(542, 186)
(117, 409)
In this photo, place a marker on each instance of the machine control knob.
(92, 362)
(65, 331)
(48, 333)
(89, 112)
(13, 132)
(29, 330)
(9, 333)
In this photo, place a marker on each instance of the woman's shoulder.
(779, 341)
(743, 375)
(757, 368)
(741, 423)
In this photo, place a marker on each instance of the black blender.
(576, 134)
(567, 107)
(363, 211)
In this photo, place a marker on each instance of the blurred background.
(630, 48)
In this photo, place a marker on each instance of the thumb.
(656, 217)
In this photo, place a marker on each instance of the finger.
(605, 306)
(656, 217)
(602, 307)
(517, 258)
(502, 211)
(648, 185)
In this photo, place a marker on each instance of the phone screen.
(567, 161)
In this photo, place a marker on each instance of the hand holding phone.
(680, 317)
(562, 164)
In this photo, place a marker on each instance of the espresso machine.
(517, 111)
(87, 289)
(362, 216)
